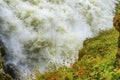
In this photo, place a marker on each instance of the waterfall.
(45, 34)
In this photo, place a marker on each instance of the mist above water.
(49, 33)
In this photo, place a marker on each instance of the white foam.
(38, 32)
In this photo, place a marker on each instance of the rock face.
(12, 71)
(9, 71)
(3, 75)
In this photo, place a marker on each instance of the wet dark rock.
(8, 69)
(12, 71)
(2, 49)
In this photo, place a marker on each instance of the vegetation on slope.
(96, 61)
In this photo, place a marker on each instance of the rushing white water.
(45, 33)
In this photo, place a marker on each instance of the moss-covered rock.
(116, 22)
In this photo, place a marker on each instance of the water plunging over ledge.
(44, 33)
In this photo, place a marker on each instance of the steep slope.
(96, 61)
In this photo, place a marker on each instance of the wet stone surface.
(7, 71)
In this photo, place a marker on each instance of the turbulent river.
(45, 34)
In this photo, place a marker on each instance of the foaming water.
(49, 33)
